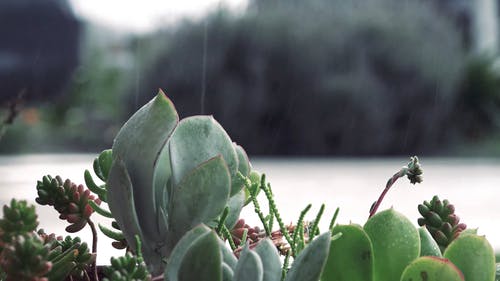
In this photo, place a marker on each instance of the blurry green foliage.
(86, 117)
(336, 77)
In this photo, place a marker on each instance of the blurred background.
(292, 81)
(288, 77)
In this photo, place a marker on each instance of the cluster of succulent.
(18, 218)
(441, 221)
(27, 254)
(176, 189)
(390, 247)
(26, 258)
(128, 267)
(69, 199)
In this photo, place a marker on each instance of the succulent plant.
(127, 268)
(168, 176)
(69, 199)
(201, 255)
(82, 257)
(440, 219)
(18, 219)
(101, 167)
(25, 258)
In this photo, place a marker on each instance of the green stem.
(314, 228)
(334, 219)
(222, 221)
(298, 229)
(274, 211)
(258, 210)
(229, 238)
(284, 270)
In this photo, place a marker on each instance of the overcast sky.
(145, 15)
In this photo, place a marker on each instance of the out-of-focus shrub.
(477, 112)
(90, 113)
(310, 77)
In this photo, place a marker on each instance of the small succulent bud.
(69, 199)
(26, 258)
(423, 209)
(414, 171)
(434, 219)
(18, 219)
(440, 219)
(447, 229)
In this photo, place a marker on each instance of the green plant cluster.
(27, 254)
(69, 199)
(176, 190)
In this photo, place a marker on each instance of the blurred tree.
(317, 77)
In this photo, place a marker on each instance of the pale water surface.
(473, 185)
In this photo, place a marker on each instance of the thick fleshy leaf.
(249, 267)
(180, 250)
(270, 260)
(474, 256)
(395, 242)
(121, 201)
(350, 257)
(162, 182)
(235, 204)
(228, 257)
(199, 198)
(196, 140)
(138, 144)
(104, 160)
(309, 264)
(243, 163)
(432, 269)
(227, 273)
(428, 246)
(202, 261)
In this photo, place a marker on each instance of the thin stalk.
(388, 186)
(85, 273)
(94, 247)
(414, 172)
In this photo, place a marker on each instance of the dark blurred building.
(38, 47)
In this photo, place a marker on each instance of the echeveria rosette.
(440, 219)
(26, 258)
(168, 176)
(18, 218)
(69, 199)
